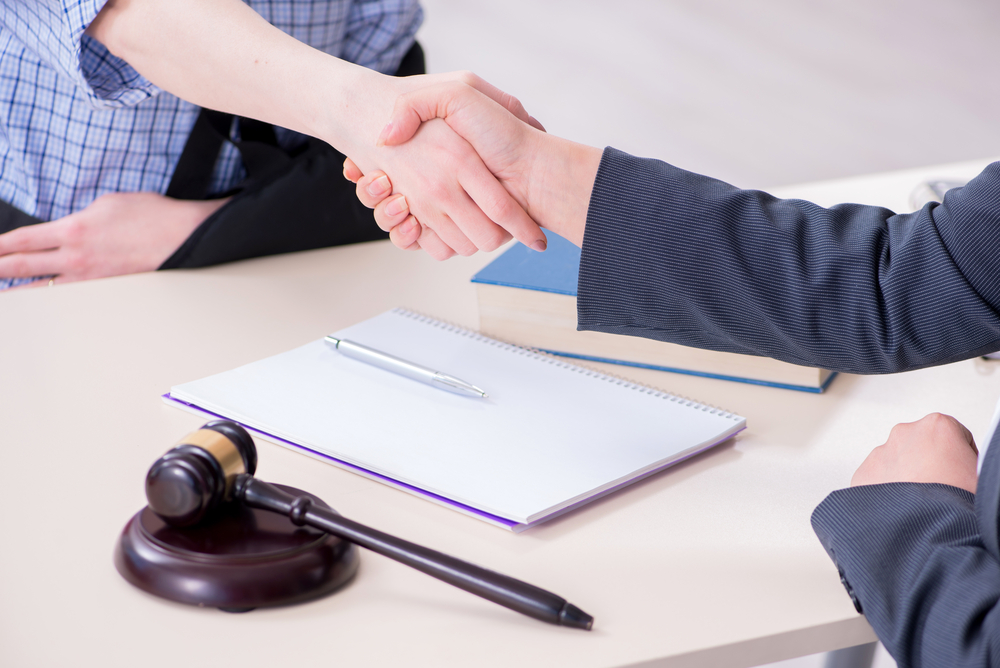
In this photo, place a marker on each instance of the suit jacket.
(679, 257)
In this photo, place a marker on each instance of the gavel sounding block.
(240, 559)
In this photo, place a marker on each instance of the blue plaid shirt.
(76, 122)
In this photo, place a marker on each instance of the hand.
(119, 233)
(936, 448)
(550, 177)
(394, 217)
(449, 222)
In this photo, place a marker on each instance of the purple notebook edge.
(517, 527)
(354, 467)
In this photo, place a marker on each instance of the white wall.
(760, 93)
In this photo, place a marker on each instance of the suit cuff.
(871, 530)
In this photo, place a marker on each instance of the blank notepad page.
(550, 435)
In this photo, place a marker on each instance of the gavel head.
(197, 474)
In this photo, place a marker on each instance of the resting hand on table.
(119, 233)
(550, 178)
(934, 449)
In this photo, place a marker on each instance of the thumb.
(413, 108)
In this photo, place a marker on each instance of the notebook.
(529, 298)
(551, 435)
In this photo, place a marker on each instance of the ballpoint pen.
(399, 366)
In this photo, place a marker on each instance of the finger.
(406, 235)
(351, 171)
(969, 438)
(432, 243)
(27, 265)
(373, 188)
(475, 231)
(391, 212)
(40, 237)
(505, 100)
(448, 232)
(499, 207)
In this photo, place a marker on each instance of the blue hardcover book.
(529, 298)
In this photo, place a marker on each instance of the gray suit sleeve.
(674, 256)
(913, 557)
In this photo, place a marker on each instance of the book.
(550, 437)
(529, 299)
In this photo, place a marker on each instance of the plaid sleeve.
(53, 31)
(380, 32)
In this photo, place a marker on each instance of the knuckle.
(466, 249)
(16, 266)
(73, 229)
(899, 430)
(494, 240)
(438, 191)
(936, 421)
(500, 207)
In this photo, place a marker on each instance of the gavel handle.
(508, 592)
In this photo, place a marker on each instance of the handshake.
(513, 180)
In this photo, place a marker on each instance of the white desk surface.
(712, 563)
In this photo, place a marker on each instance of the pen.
(416, 372)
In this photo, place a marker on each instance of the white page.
(549, 435)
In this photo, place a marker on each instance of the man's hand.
(936, 448)
(119, 233)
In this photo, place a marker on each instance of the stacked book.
(529, 299)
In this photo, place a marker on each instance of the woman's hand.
(119, 233)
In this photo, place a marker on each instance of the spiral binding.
(563, 364)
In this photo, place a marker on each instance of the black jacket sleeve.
(912, 556)
(679, 257)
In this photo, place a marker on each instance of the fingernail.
(408, 226)
(539, 245)
(379, 186)
(397, 206)
(385, 134)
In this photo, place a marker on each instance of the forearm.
(913, 557)
(680, 257)
(223, 55)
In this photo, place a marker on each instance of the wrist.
(560, 181)
(351, 114)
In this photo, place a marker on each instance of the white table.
(710, 563)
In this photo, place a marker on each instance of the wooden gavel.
(215, 465)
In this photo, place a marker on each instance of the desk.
(712, 563)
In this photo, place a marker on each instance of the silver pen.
(390, 363)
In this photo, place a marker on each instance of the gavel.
(216, 464)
